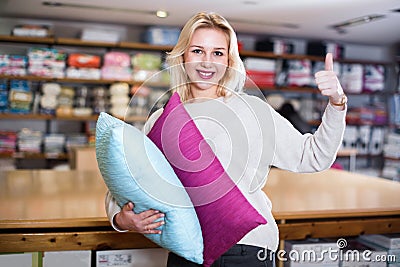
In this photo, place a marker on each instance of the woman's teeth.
(205, 74)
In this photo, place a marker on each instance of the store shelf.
(9, 116)
(23, 39)
(78, 42)
(145, 46)
(80, 81)
(31, 155)
(391, 158)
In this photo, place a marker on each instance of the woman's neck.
(203, 94)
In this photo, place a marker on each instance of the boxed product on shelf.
(394, 109)
(48, 99)
(377, 141)
(46, 62)
(8, 142)
(145, 66)
(119, 99)
(20, 96)
(16, 259)
(81, 60)
(139, 103)
(391, 169)
(100, 99)
(364, 133)
(157, 35)
(54, 143)
(50, 57)
(83, 66)
(299, 73)
(275, 45)
(146, 61)
(370, 115)
(392, 146)
(100, 35)
(116, 66)
(83, 73)
(260, 72)
(75, 140)
(374, 78)
(32, 30)
(65, 101)
(13, 71)
(13, 60)
(316, 48)
(76, 258)
(390, 241)
(150, 257)
(282, 47)
(119, 59)
(351, 78)
(357, 254)
(29, 141)
(393, 254)
(246, 41)
(350, 137)
(116, 73)
(14, 65)
(82, 104)
(3, 96)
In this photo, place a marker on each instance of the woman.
(206, 67)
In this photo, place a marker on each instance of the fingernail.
(162, 222)
(162, 215)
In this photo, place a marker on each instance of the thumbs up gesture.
(329, 84)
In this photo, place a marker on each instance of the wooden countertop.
(51, 199)
(331, 193)
(47, 198)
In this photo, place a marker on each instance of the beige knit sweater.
(249, 137)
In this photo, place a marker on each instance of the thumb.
(329, 62)
(128, 206)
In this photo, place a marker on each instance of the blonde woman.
(208, 73)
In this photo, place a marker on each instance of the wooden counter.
(44, 210)
(333, 203)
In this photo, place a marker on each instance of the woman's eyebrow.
(215, 48)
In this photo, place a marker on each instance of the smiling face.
(206, 60)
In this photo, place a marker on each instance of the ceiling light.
(249, 2)
(104, 8)
(265, 23)
(161, 14)
(357, 21)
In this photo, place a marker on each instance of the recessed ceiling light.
(249, 2)
(161, 14)
(339, 27)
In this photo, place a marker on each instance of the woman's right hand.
(144, 222)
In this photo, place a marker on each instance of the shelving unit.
(129, 46)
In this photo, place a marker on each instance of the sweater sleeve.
(308, 152)
(111, 206)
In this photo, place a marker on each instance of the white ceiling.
(313, 17)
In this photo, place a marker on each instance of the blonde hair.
(235, 75)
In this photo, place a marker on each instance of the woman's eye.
(218, 53)
(197, 51)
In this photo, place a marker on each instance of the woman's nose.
(206, 60)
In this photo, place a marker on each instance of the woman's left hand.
(328, 83)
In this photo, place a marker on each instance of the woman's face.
(206, 60)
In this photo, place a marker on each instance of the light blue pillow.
(135, 170)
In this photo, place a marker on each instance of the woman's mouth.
(205, 74)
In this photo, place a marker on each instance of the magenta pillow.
(224, 213)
